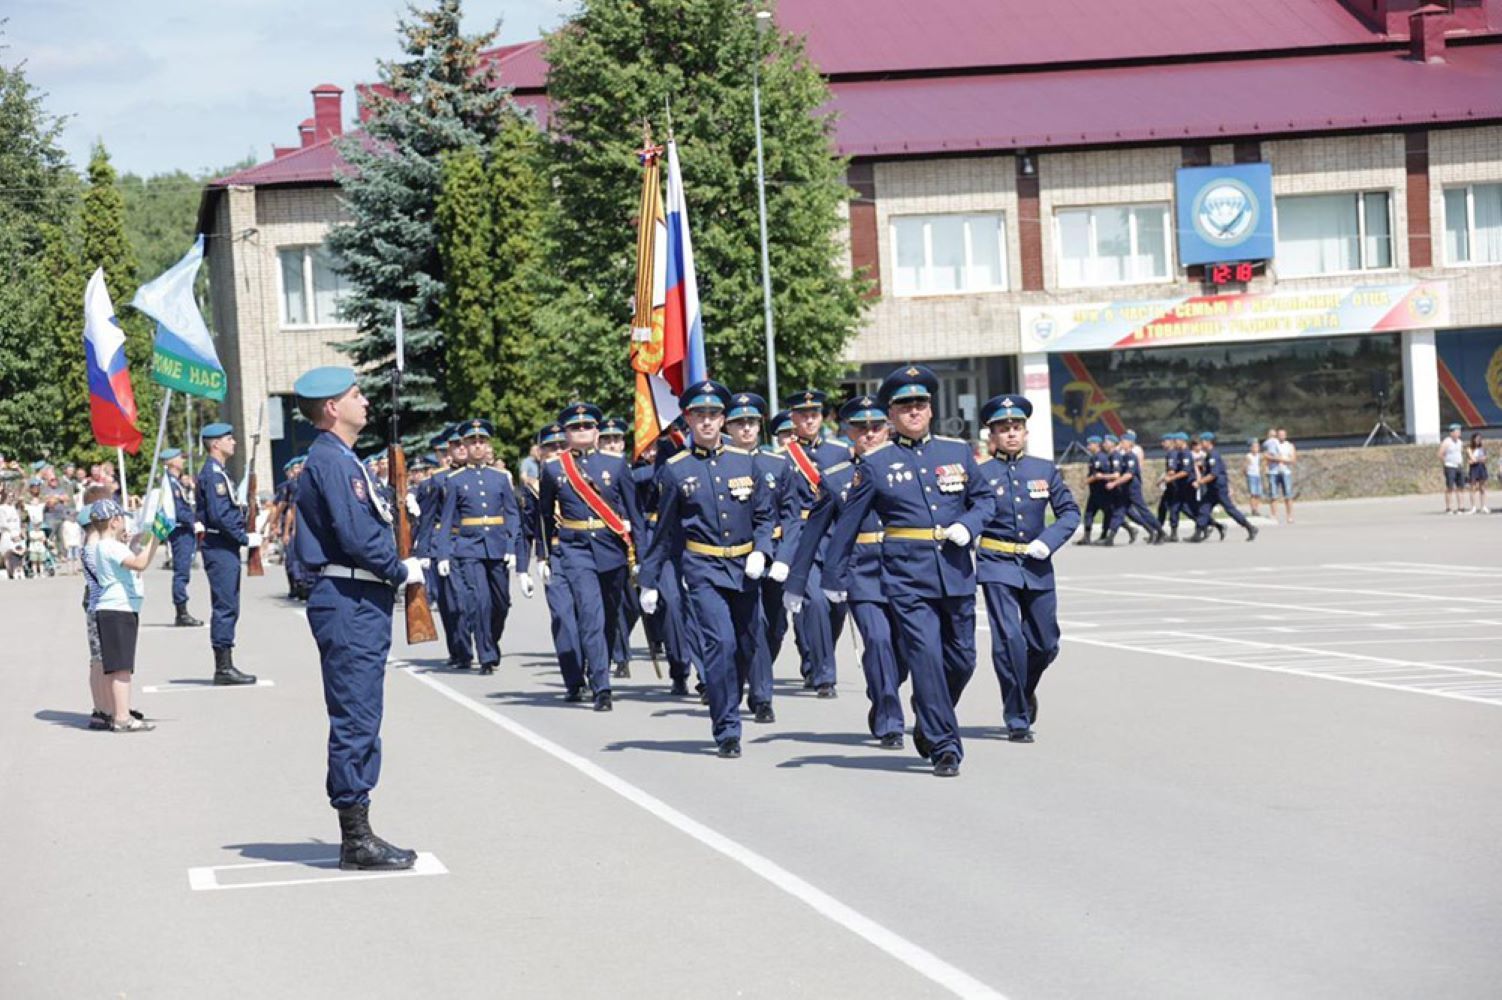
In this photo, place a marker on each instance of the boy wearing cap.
(345, 537)
(1452, 461)
(1215, 488)
(1015, 560)
(932, 502)
(715, 521)
(224, 532)
(182, 542)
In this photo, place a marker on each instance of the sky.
(195, 86)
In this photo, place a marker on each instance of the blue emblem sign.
(1225, 213)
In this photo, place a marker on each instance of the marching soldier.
(715, 523)
(1015, 560)
(181, 541)
(562, 616)
(1215, 488)
(612, 441)
(224, 532)
(1097, 471)
(1178, 490)
(478, 540)
(588, 502)
(344, 537)
(810, 453)
(932, 502)
(1126, 485)
(670, 620)
(1115, 497)
(782, 429)
(868, 604)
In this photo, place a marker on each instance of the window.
(1112, 245)
(1334, 233)
(312, 286)
(948, 254)
(1473, 224)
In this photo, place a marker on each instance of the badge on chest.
(1037, 489)
(689, 486)
(741, 486)
(950, 478)
(357, 483)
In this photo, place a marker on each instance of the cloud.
(93, 62)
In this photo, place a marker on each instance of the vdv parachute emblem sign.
(1225, 213)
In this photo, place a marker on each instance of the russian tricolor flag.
(683, 327)
(112, 402)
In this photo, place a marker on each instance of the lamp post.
(763, 23)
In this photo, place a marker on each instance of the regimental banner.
(1470, 377)
(1224, 213)
(1211, 319)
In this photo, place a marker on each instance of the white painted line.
(1390, 594)
(205, 686)
(915, 957)
(1428, 569)
(1068, 624)
(1304, 608)
(1337, 654)
(206, 879)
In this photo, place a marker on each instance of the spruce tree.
(615, 67)
(444, 100)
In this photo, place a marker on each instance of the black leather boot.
(622, 670)
(360, 850)
(225, 671)
(185, 620)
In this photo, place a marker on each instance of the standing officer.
(1215, 488)
(773, 473)
(810, 453)
(932, 502)
(715, 523)
(1097, 471)
(563, 618)
(1015, 561)
(588, 502)
(1126, 484)
(868, 604)
(224, 531)
(284, 524)
(181, 541)
(478, 538)
(344, 537)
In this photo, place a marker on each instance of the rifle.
(420, 627)
(253, 564)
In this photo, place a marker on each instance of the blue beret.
(215, 430)
(478, 427)
(168, 454)
(909, 382)
(1453, 427)
(1093, 439)
(862, 410)
(420, 463)
(705, 395)
(806, 399)
(747, 404)
(324, 383)
(612, 427)
(1207, 435)
(782, 420)
(1181, 435)
(1129, 436)
(580, 413)
(1112, 439)
(1006, 407)
(294, 462)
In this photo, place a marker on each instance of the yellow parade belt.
(593, 524)
(804, 514)
(651, 518)
(471, 522)
(997, 545)
(934, 534)
(723, 551)
(777, 531)
(868, 538)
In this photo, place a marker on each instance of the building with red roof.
(1166, 214)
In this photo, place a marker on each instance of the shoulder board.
(678, 456)
(940, 437)
(555, 460)
(837, 467)
(737, 451)
(505, 472)
(872, 451)
(986, 461)
(779, 456)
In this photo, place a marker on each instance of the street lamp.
(763, 23)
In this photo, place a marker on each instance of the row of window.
(312, 286)
(1132, 244)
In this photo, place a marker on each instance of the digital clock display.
(1225, 274)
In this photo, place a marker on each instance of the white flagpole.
(161, 433)
(124, 491)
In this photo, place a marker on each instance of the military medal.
(1037, 489)
(741, 486)
(951, 478)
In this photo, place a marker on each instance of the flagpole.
(124, 491)
(161, 434)
(188, 426)
(763, 22)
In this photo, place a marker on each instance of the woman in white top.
(1253, 460)
(1475, 454)
(12, 538)
(117, 609)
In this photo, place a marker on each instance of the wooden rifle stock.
(420, 627)
(253, 564)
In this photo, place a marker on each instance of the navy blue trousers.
(221, 564)
(1096, 504)
(597, 601)
(1207, 507)
(630, 614)
(728, 622)
(1133, 506)
(564, 620)
(672, 623)
(775, 617)
(184, 545)
(447, 592)
(935, 637)
(1024, 641)
(822, 624)
(351, 622)
(757, 681)
(879, 664)
(487, 589)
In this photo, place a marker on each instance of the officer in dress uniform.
(670, 620)
(715, 522)
(344, 537)
(932, 502)
(868, 603)
(776, 615)
(774, 473)
(1097, 471)
(453, 604)
(1015, 560)
(181, 541)
(595, 557)
(563, 617)
(478, 540)
(224, 532)
(820, 622)
(1215, 488)
(426, 496)
(1126, 485)
(612, 441)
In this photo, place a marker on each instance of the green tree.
(466, 229)
(615, 67)
(445, 99)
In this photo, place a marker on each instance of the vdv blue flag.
(183, 356)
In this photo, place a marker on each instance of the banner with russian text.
(183, 355)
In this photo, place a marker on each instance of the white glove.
(412, 506)
(510, 560)
(792, 602)
(414, 570)
(778, 572)
(958, 534)
(1038, 549)
(253, 540)
(836, 596)
(197, 527)
(526, 584)
(756, 566)
(649, 602)
(545, 571)
(443, 567)
(425, 563)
